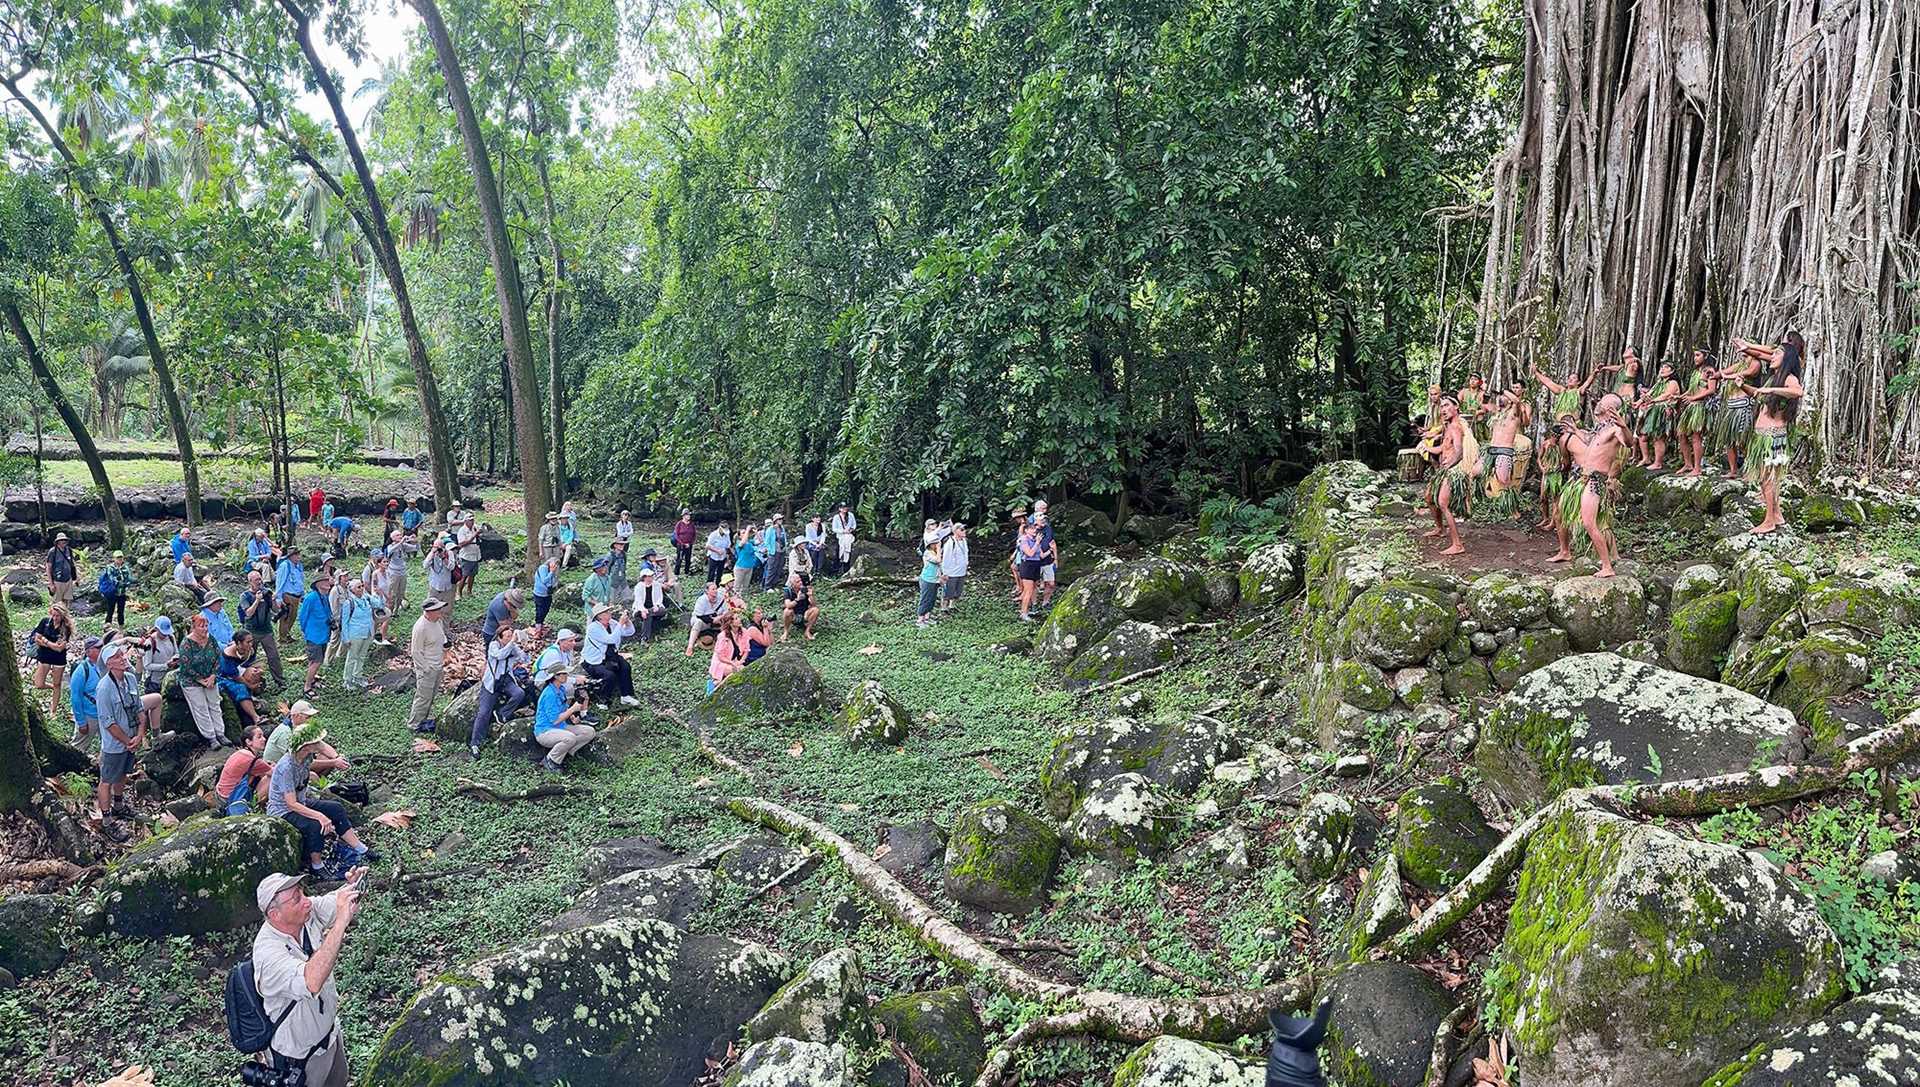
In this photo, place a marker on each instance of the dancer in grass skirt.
(1733, 428)
(1691, 425)
(1456, 458)
(1770, 451)
(1587, 495)
(1657, 412)
(1506, 452)
(1627, 387)
(1553, 481)
(1472, 402)
(1550, 447)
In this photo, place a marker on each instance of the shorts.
(469, 568)
(1046, 572)
(316, 650)
(1030, 569)
(114, 767)
(52, 658)
(954, 585)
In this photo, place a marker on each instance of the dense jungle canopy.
(936, 255)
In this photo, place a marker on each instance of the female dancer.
(1735, 425)
(1473, 408)
(1656, 414)
(1771, 449)
(1692, 423)
(1551, 447)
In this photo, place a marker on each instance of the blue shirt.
(80, 690)
(316, 618)
(546, 715)
(356, 616)
(219, 626)
(342, 527)
(257, 549)
(411, 519)
(543, 579)
(289, 780)
(743, 556)
(290, 578)
(180, 547)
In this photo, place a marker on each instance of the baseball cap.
(92, 643)
(599, 562)
(646, 571)
(113, 651)
(272, 886)
(304, 708)
(119, 554)
(164, 625)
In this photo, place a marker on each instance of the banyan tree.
(1684, 171)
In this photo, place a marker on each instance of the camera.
(255, 1074)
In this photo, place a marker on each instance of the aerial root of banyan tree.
(1076, 1010)
(1683, 171)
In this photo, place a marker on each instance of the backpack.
(248, 1027)
(106, 584)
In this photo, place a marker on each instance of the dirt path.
(1504, 546)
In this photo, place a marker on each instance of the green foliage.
(1231, 527)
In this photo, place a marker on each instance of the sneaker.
(365, 855)
(473, 752)
(122, 809)
(629, 700)
(549, 766)
(427, 726)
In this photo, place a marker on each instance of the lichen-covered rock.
(1829, 513)
(199, 879)
(754, 860)
(1599, 718)
(170, 761)
(789, 1062)
(1360, 684)
(1700, 579)
(827, 1000)
(1380, 910)
(1824, 665)
(1870, 1041)
(1769, 587)
(1871, 608)
(33, 932)
(1082, 614)
(626, 1001)
(940, 1030)
(1415, 686)
(1440, 834)
(1223, 590)
(1700, 631)
(1782, 543)
(1634, 955)
(1160, 588)
(999, 857)
(1176, 753)
(1597, 612)
(672, 893)
(1128, 648)
(1529, 651)
(779, 684)
(1381, 1031)
(1669, 495)
(1168, 1061)
(1271, 574)
(1330, 833)
(1395, 625)
(1501, 599)
(1121, 819)
(872, 716)
(1468, 680)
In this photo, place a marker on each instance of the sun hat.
(212, 599)
(58, 536)
(602, 609)
(433, 603)
(566, 633)
(119, 554)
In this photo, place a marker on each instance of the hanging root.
(1115, 1016)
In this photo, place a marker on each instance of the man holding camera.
(612, 676)
(293, 959)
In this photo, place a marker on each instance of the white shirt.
(184, 575)
(280, 973)
(953, 558)
(551, 658)
(600, 639)
(816, 535)
(623, 530)
(844, 523)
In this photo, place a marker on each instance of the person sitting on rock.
(612, 676)
(705, 623)
(261, 551)
(242, 785)
(219, 624)
(598, 588)
(280, 740)
(559, 722)
(500, 691)
(238, 677)
(188, 577)
(649, 604)
(182, 543)
(562, 656)
(314, 817)
(799, 605)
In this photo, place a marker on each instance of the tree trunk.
(162, 372)
(19, 767)
(529, 427)
(116, 525)
(556, 385)
(433, 420)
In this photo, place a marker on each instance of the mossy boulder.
(1872, 1039)
(1870, 607)
(1177, 754)
(1635, 955)
(1082, 614)
(1394, 625)
(789, 1062)
(1123, 818)
(999, 857)
(626, 1001)
(1469, 680)
(1380, 910)
(1360, 684)
(1826, 664)
(33, 933)
(1502, 599)
(1597, 612)
(1128, 648)
(1529, 651)
(1331, 834)
(827, 999)
(1223, 590)
(1160, 588)
(940, 1030)
(872, 716)
(1384, 1018)
(454, 722)
(1440, 834)
(1700, 631)
(1700, 579)
(1272, 574)
(199, 879)
(1782, 543)
(780, 684)
(1599, 718)
(1829, 513)
(1168, 1061)
(1670, 495)
(1769, 587)
(672, 893)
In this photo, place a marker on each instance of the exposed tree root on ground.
(486, 791)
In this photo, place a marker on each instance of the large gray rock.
(626, 1001)
(1635, 955)
(1395, 625)
(1082, 614)
(787, 1062)
(872, 716)
(1331, 834)
(1597, 612)
(33, 933)
(999, 857)
(1769, 587)
(1440, 834)
(199, 879)
(829, 998)
(1177, 754)
(1160, 588)
(940, 1029)
(780, 684)
(1384, 1018)
(1123, 818)
(1167, 1061)
(1698, 580)
(672, 893)
(1500, 600)
(1271, 574)
(1599, 718)
(1129, 648)
(1700, 632)
(1870, 607)
(1871, 1041)
(1528, 652)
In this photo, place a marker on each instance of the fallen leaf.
(703, 782)
(867, 650)
(849, 808)
(425, 746)
(796, 749)
(398, 820)
(987, 765)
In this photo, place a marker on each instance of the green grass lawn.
(216, 474)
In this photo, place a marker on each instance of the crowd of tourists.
(1481, 445)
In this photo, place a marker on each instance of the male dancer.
(1596, 455)
(1448, 487)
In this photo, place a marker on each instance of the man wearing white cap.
(562, 656)
(600, 657)
(294, 956)
(218, 624)
(123, 728)
(427, 648)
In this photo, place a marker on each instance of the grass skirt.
(1693, 418)
(1656, 422)
(1768, 454)
(1733, 425)
(1573, 490)
(1461, 495)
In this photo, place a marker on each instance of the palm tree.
(116, 360)
(151, 162)
(94, 111)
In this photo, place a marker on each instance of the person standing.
(427, 650)
(623, 527)
(558, 721)
(199, 681)
(683, 536)
(325, 524)
(115, 585)
(390, 517)
(123, 728)
(746, 558)
(612, 676)
(62, 570)
(549, 538)
(1770, 451)
(954, 558)
(1588, 492)
(502, 610)
(719, 550)
(1447, 490)
(616, 559)
(773, 554)
(411, 518)
(400, 549)
(80, 696)
(546, 579)
(51, 639)
(815, 539)
(597, 589)
(294, 957)
(356, 633)
(500, 693)
(316, 502)
(467, 536)
(380, 587)
(929, 582)
(844, 525)
(1029, 558)
(256, 617)
(161, 652)
(316, 627)
(289, 584)
(1049, 543)
(440, 566)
